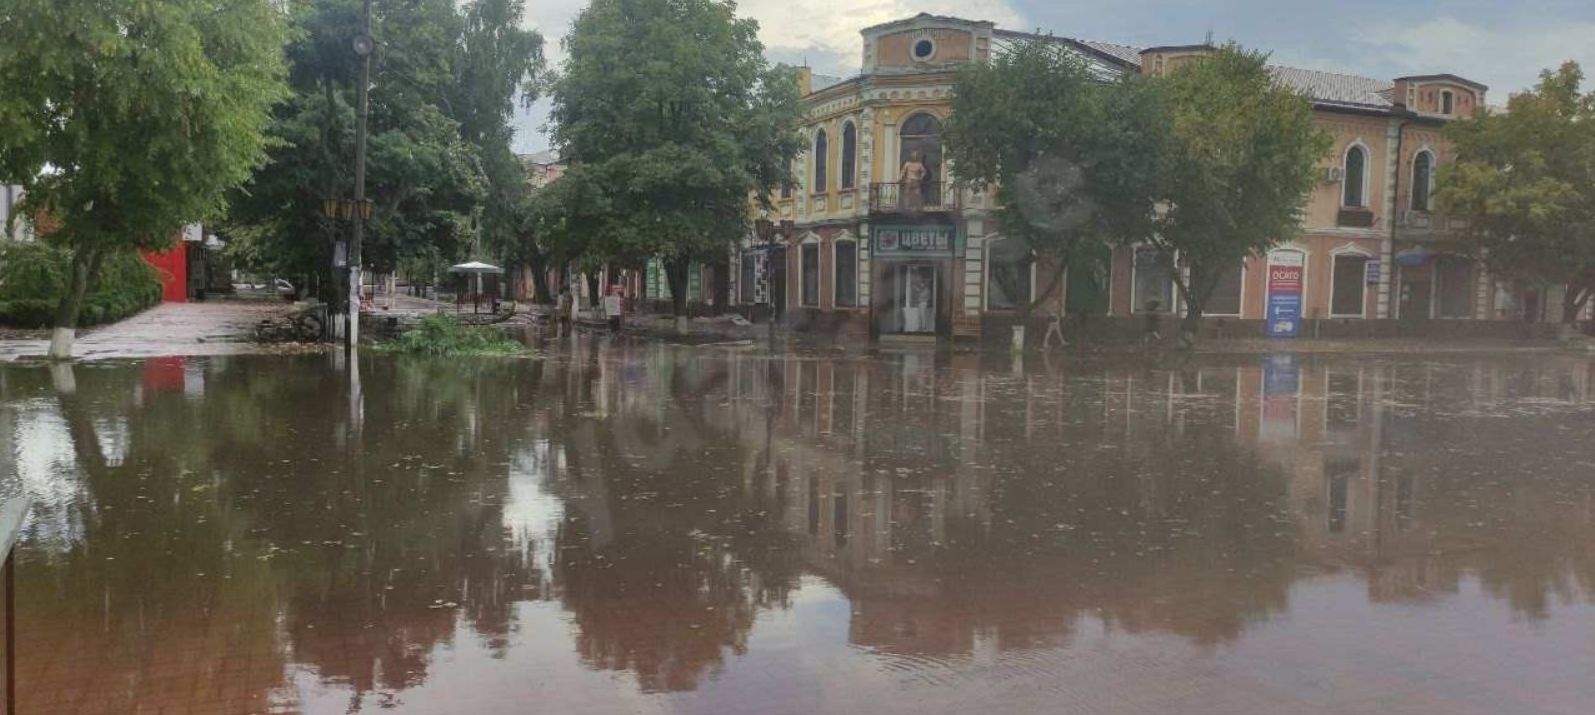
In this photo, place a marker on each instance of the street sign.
(1371, 273)
(1286, 272)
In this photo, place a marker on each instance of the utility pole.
(363, 47)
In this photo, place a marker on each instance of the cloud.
(1507, 56)
(824, 34)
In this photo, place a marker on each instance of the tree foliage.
(1065, 150)
(1524, 183)
(126, 119)
(1239, 160)
(439, 165)
(669, 109)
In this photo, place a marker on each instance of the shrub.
(34, 276)
(441, 336)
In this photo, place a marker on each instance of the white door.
(918, 297)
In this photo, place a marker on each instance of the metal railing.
(11, 516)
(904, 197)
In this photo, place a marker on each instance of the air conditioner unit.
(1332, 175)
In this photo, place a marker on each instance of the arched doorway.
(919, 143)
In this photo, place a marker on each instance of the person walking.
(1054, 329)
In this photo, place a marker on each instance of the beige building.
(877, 240)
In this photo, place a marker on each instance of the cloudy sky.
(1502, 44)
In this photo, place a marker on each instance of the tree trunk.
(85, 264)
(593, 289)
(676, 275)
(722, 285)
(540, 292)
(1189, 287)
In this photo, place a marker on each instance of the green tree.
(1238, 163)
(1066, 151)
(1524, 181)
(126, 119)
(671, 108)
(445, 80)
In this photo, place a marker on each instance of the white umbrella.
(475, 267)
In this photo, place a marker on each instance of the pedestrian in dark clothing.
(1152, 332)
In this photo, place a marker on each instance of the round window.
(923, 49)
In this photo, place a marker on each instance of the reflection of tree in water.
(246, 506)
(160, 580)
(667, 559)
(389, 553)
(1500, 492)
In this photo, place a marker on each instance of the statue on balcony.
(911, 182)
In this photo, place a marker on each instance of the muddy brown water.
(621, 527)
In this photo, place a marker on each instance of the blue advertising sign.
(1285, 273)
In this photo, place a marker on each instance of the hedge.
(34, 276)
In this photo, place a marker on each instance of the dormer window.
(924, 49)
(1447, 102)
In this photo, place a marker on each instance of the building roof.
(1443, 78)
(1325, 88)
(818, 82)
(1331, 88)
(545, 157)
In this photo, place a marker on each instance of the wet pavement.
(221, 327)
(627, 527)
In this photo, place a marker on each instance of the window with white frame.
(1422, 168)
(1354, 177)
(846, 266)
(821, 157)
(747, 278)
(1152, 281)
(811, 273)
(1226, 296)
(1348, 286)
(1009, 274)
(849, 155)
(1447, 102)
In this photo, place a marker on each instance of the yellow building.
(876, 240)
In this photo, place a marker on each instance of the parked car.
(284, 289)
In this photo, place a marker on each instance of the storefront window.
(1226, 296)
(746, 278)
(847, 273)
(811, 274)
(1154, 281)
(1349, 285)
(1008, 275)
(1456, 286)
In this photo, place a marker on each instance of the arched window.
(1354, 183)
(849, 152)
(821, 152)
(1422, 166)
(920, 137)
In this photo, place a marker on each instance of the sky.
(1503, 44)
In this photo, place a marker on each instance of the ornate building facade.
(877, 240)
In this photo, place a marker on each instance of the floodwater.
(635, 528)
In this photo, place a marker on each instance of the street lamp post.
(363, 46)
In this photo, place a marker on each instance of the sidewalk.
(221, 327)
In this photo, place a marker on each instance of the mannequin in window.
(912, 179)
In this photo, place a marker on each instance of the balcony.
(927, 197)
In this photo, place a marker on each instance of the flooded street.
(627, 527)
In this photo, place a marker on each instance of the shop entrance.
(917, 283)
(912, 298)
